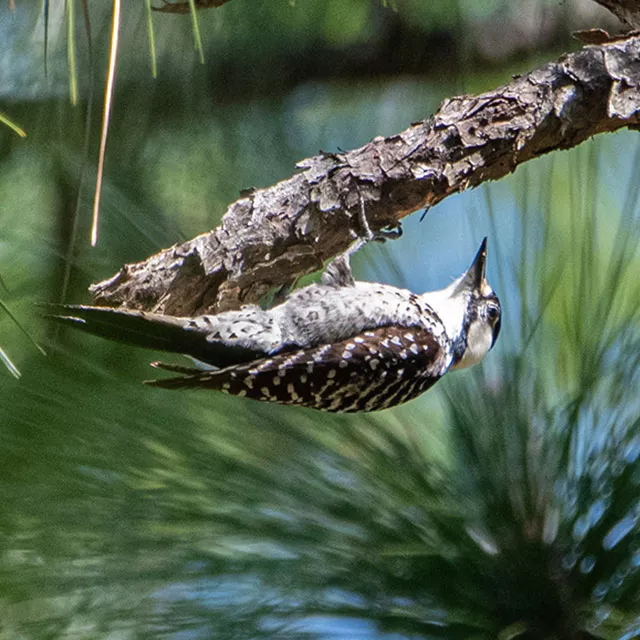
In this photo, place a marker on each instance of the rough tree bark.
(627, 11)
(271, 235)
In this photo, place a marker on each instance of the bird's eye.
(493, 314)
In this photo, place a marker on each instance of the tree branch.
(271, 235)
(627, 11)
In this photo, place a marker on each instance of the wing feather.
(376, 369)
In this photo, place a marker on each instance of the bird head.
(470, 312)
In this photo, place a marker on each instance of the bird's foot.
(338, 271)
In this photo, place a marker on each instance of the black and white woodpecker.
(338, 345)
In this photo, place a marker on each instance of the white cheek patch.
(479, 339)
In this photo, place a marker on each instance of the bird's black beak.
(475, 278)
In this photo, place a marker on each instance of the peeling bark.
(269, 236)
(627, 11)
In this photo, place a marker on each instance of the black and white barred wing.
(377, 369)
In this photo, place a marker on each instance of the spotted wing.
(377, 369)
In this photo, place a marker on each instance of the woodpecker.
(337, 345)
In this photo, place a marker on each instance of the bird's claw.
(388, 233)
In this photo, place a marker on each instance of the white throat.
(479, 338)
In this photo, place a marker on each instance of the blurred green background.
(502, 504)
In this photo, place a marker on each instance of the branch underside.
(269, 236)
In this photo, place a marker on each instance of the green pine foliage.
(504, 504)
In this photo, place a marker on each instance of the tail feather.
(189, 378)
(151, 331)
(176, 368)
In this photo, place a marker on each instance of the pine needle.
(196, 30)
(152, 41)
(45, 9)
(13, 370)
(68, 263)
(108, 96)
(17, 322)
(12, 125)
(71, 52)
